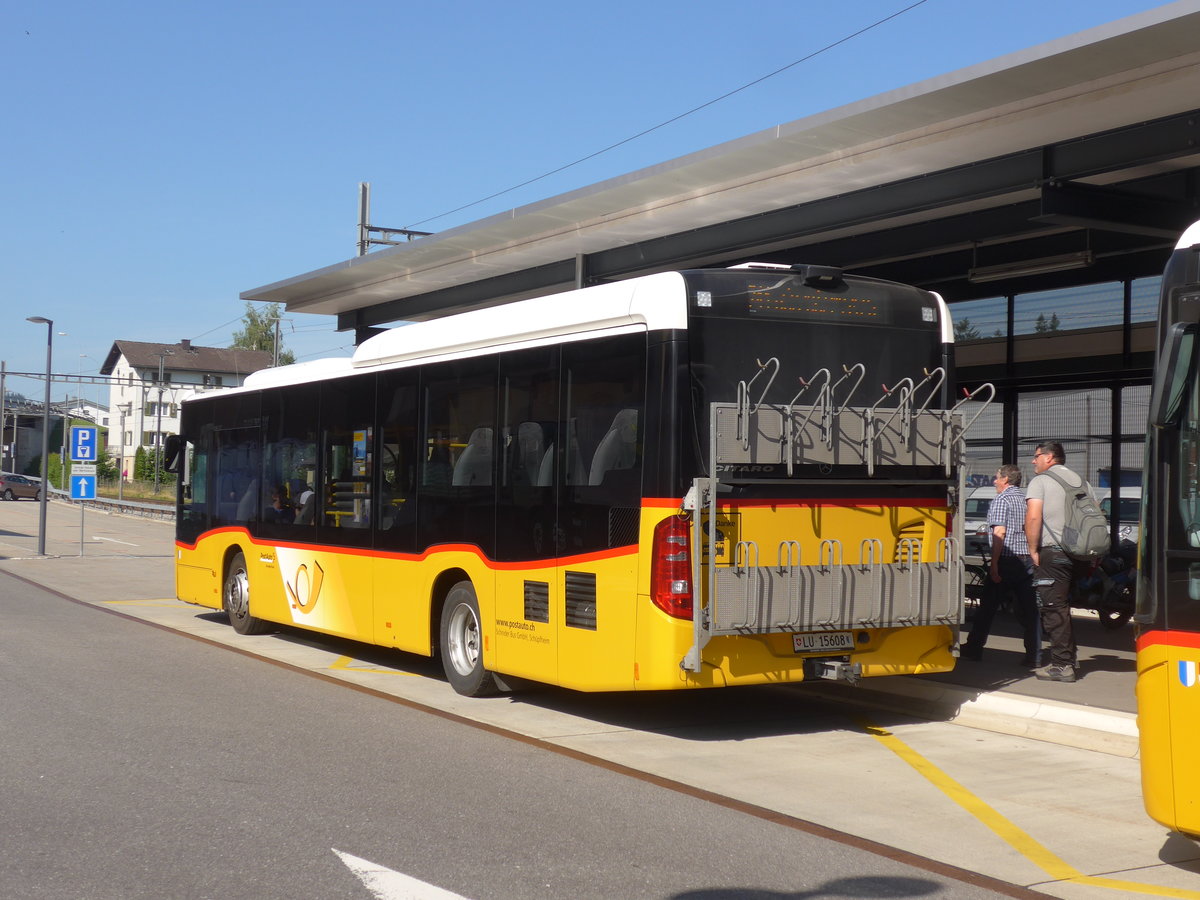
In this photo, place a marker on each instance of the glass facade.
(1081, 419)
(1068, 309)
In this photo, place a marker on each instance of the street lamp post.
(124, 409)
(49, 323)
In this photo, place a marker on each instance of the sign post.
(83, 475)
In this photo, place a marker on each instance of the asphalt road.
(136, 763)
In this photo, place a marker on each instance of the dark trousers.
(1016, 576)
(1052, 580)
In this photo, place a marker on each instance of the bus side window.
(604, 395)
(289, 462)
(345, 501)
(397, 460)
(456, 501)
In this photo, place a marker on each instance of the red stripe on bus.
(1168, 638)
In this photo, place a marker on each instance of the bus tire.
(235, 598)
(461, 643)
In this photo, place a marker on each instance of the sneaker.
(1056, 673)
(966, 651)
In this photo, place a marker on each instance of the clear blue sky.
(160, 158)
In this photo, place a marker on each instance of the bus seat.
(545, 473)
(248, 505)
(308, 501)
(474, 467)
(576, 470)
(618, 448)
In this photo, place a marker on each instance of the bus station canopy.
(1081, 152)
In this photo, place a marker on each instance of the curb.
(1085, 727)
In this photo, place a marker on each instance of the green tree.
(54, 471)
(965, 331)
(1044, 325)
(139, 465)
(106, 466)
(258, 332)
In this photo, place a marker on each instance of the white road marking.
(388, 884)
(96, 537)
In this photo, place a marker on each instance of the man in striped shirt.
(1011, 570)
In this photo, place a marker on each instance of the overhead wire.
(674, 119)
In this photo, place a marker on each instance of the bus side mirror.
(1172, 375)
(171, 453)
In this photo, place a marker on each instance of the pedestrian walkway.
(127, 558)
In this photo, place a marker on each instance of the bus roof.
(647, 303)
(1190, 238)
(651, 302)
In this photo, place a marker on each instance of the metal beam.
(1085, 206)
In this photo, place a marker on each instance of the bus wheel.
(235, 598)
(462, 643)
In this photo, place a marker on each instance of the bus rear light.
(671, 567)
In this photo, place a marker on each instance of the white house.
(148, 381)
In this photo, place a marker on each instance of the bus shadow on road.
(703, 714)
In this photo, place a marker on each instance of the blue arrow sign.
(83, 443)
(83, 487)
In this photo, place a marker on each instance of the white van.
(1128, 513)
(976, 534)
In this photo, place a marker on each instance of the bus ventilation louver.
(537, 601)
(581, 600)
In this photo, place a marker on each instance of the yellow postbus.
(1168, 590)
(688, 479)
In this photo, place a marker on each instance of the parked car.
(976, 533)
(1129, 512)
(16, 487)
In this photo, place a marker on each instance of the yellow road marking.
(1023, 843)
(346, 663)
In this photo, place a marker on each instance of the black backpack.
(1085, 529)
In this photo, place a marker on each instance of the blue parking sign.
(83, 487)
(83, 443)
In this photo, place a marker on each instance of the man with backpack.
(1066, 533)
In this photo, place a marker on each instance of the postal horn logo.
(1187, 672)
(304, 589)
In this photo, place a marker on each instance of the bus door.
(1168, 685)
(598, 471)
(528, 602)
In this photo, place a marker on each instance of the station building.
(1039, 193)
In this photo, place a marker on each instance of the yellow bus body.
(391, 599)
(1168, 702)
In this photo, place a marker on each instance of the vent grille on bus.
(623, 526)
(581, 600)
(537, 601)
